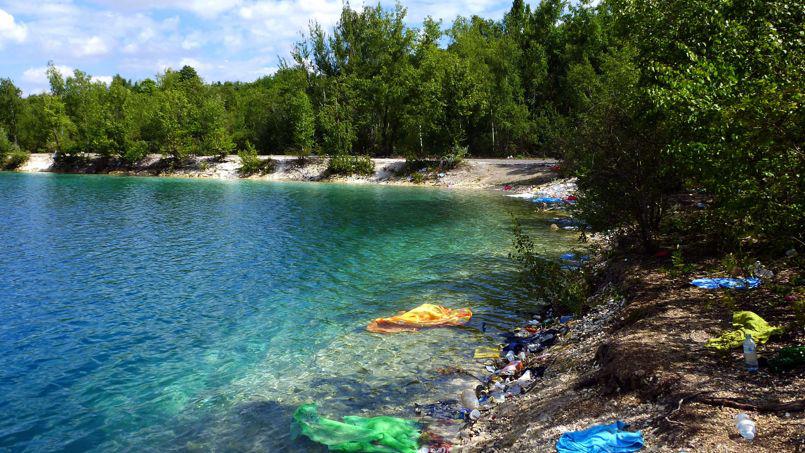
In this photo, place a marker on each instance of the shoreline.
(520, 174)
(639, 356)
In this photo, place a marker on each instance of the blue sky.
(222, 39)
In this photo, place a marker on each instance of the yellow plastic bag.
(485, 352)
(425, 315)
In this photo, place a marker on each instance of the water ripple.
(167, 314)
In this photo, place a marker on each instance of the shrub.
(344, 164)
(418, 178)
(16, 159)
(565, 290)
(6, 146)
(136, 152)
(251, 164)
(452, 159)
(678, 265)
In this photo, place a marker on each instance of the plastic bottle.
(750, 354)
(512, 368)
(469, 400)
(510, 356)
(475, 414)
(746, 427)
(761, 271)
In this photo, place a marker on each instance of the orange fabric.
(425, 315)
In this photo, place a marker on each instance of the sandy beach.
(471, 173)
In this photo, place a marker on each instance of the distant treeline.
(641, 98)
(371, 86)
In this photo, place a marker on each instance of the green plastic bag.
(357, 434)
(744, 322)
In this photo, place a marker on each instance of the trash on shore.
(729, 283)
(573, 261)
(744, 323)
(442, 410)
(510, 376)
(469, 399)
(760, 271)
(750, 354)
(425, 315)
(356, 433)
(746, 427)
(486, 352)
(612, 437)
(547, 200)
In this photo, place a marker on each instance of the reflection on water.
(168, 314)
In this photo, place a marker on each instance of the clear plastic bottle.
(746, 427)
(750, 354)
(468, 399)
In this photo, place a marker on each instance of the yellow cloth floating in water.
(425, 315)
(744, 322)
(485, 352)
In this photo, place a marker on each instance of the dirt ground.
(643, 361)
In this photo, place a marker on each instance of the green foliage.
(728, 77)
(11, 156)
(678, 265)
(6, 146)
(617, 149)
(251, 164)
(454, 158)
(11, 108)
(564, 290)
(16, 159)
(343, 164)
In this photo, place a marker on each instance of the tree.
(619, 150)
(11, 106)
(729, 76)
(302, 122)
(46, 125)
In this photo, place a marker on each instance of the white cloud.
(204, 8)
(10, 30)
(222, 39)
(104, 79)
(35, 80)
(91, 47)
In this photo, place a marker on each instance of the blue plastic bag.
(730, 283)
(600, 439)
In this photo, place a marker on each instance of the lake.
(157, 314)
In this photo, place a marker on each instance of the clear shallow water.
(157, 314)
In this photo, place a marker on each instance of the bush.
(16, 159)
(452, 159)
(6, 146)
(617, 148)
(251, 164)
(344, 164)
(135, 152)
(565, 290)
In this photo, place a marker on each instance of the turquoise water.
(155, 314)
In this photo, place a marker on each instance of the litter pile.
(514, 368)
